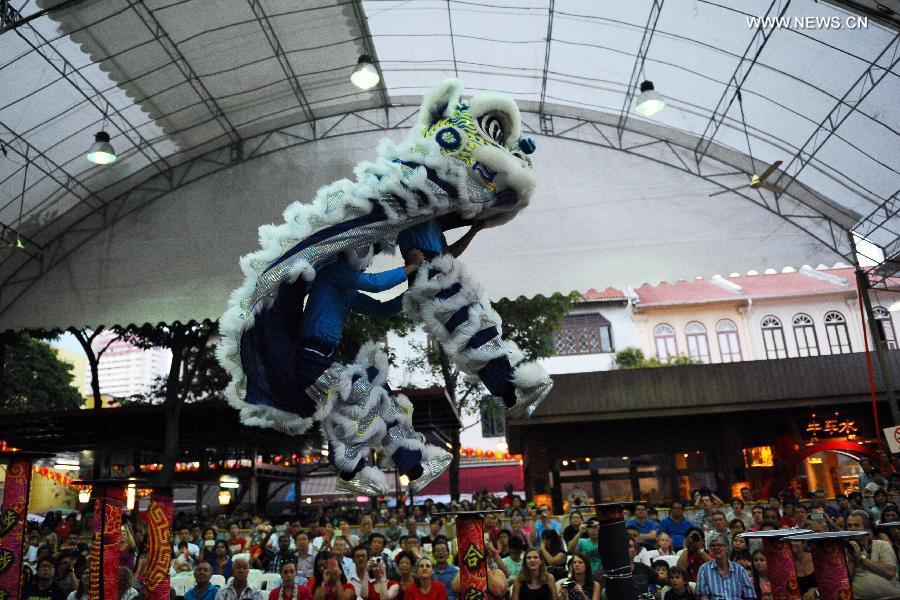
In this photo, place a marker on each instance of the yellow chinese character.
(831, 425)
(473, 557)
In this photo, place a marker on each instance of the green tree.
(32, 378)
(529, 322)
(191, 356)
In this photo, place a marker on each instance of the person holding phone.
(329, 581)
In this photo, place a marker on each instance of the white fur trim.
(440, 102)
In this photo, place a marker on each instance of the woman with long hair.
(580, 585)
(424, 586)
(84, 587)
(328, 581)
(289, 590)
(221, 563)
(553, 553)
(534, 582)
(761, 582)
(126, 582)
(127, 548)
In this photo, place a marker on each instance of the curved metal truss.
(817, 216)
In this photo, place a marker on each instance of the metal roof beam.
(547, 55)
(286, 66)
(183, 66)
(877, 70)
(820, 223)
(737, 79)
(69, 72)
(638, 68)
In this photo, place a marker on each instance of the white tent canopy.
(224, 112)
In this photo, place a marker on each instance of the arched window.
(836, 331)
(697, 342)
(773, 337)
(666, 346)
(885, 325)
(805, 335)
(729, 343)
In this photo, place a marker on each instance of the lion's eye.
(492, 127)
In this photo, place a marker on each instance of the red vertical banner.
(13, 513)
(159, 545)
(832, 574)
(105, 551)
(472, 561)
(780, 564)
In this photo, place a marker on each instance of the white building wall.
(624, 334)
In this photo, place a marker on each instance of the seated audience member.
(221, 565)
(377, 549)
(720, 527)
(720, 578)
(643, 578)
(694, 554)
(82, 592)
(576, 524)
(43, 585)
(424, 586)
(761, 582)
(289, 589)
(647, 528)
(126, 584)
(203, 589)
(534, 581)
(663, 548)
(580, 584)
(329, 581)
(679, 589)
(553, 553)
(238, 588)
(443, 570)
(283, 555)
(676, 525)
(803, 566)
(513, 562)
(872, 563)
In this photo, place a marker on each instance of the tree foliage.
(529, 322)
(33, 378)
(195, 372)
(633, 358)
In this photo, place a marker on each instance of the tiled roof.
(609, 293)
(774, 285)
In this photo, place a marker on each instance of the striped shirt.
(735, 585)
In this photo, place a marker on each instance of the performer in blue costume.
(367, 415)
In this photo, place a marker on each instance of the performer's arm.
(348, 277)
(459, 246)
(367, 305)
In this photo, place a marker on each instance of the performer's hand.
(415, 257)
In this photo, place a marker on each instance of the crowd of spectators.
(350, 552)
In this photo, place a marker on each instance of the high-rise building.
(126, 370)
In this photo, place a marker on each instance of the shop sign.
(830, 426)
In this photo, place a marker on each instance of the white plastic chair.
(180, 586)
(255, 579)
(270, 581)
(671, 559)
(244, 555)
(218, 580)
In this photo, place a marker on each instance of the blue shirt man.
(721, 578)
(204, 590)
(646, 526)
(443, 570)
(676, 525)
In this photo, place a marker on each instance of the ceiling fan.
(757, 181)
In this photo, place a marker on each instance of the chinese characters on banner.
(472, 563)
(13, 512)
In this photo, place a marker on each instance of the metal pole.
(862, 282)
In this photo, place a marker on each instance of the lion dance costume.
(465, 162)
